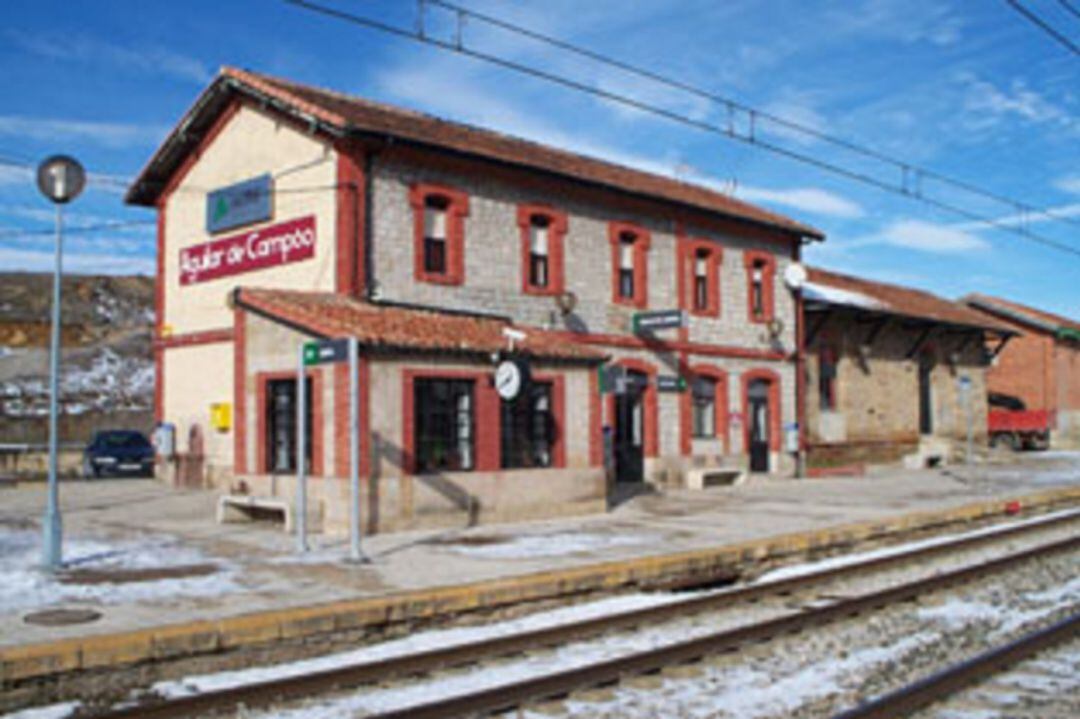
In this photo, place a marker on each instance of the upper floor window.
(629, 254)
(760, 269)
(542, 232)
(539, 265)
(439, 228)
(626, 266)
(435, 210)
(701, 280)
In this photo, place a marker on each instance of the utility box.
(221, 416)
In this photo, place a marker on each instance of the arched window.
(542, 233)
(629, 256)
(439, 228)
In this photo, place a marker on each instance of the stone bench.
(705, 477)
(247, 508)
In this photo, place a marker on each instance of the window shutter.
(626, 255)
(435, 222)
(539, 243)
(701, 265)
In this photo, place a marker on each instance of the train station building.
(894, 374)
(1040, 367)
(648, 330)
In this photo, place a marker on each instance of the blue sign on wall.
(241, 204)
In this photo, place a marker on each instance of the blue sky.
(969, 89)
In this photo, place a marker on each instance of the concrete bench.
(704, 477)
(246, 508)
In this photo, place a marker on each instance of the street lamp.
(60, 178)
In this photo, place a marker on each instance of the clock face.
(508, 380)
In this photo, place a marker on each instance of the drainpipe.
(800, 376)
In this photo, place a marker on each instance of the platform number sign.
(326, 352)
(61, 178)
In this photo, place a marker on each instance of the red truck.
(1012, 424)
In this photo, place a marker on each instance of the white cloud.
(107, 264)
(929, 237)
(84, 50)
(807, 199)
(12, 175)
(987, 105)
(1070, 184)
(108, 134)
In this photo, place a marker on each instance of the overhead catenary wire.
(911, 187)
(1069, 8)
(1045, 26)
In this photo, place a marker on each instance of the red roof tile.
(1015, 310)
(395, 327)
(354, 114)
(894, 299)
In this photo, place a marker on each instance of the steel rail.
(275, 690)
(508, 696)
(939, 685)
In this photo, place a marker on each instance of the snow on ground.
(749, 692)
(5, 351)
(26, 586)
(843, 560)
(528, 546)
(416, 642)
(51, 711)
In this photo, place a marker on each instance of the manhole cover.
(62, 617)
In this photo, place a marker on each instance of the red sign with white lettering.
(280, 244)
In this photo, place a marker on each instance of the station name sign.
(658, 320)
(244, 203)
(280, 244)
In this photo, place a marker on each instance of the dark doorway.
(281, 426)
(757, 403)
(630, 428)
(926, 400)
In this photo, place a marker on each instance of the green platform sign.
(326, 352)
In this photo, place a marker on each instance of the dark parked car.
(119, 452)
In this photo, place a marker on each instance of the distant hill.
(107, 377)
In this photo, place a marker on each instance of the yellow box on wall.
(221, 416)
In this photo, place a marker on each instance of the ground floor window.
(528, 428)
(281, 426)
(444, 425)
(704, 407)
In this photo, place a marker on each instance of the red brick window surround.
(543, 230)
(760, 290)
(439, 214)
(264, 381)
(629, 264)
(707, 403)
(702, 269)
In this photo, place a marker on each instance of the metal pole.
(970, 421)
(356, 554)
(301, 454)
(52, 553)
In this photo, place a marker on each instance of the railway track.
(942, 684)
(520, 693)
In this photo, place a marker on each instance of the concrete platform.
(262, 591)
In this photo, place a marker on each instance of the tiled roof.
(360, 116)
(1030, 316)
(386, 326)
(836, 289)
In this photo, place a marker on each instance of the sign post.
(330, 352)
(356, 554)
(61, 179)
(301, 452)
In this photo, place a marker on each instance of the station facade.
(445, 249)
(894, 374)
(1040, 366)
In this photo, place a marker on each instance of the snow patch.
(51, 711)
(109, 381)
(530, 546)
(27, 586)
(816, 292)
(844, 560)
